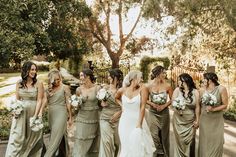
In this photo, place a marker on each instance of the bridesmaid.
(110, 114)
(211, 130)
(186, 122)
(158, 117)
(24, 142)
(59, 108)
(86, 123)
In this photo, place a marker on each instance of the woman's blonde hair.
(51, 78)
(130, 76)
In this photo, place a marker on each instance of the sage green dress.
(23, 142)
(58, 143)
(211, 130)
(87, 128)
(109, 143)
(159, 124)
(184, 131)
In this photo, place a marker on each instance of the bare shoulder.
(39, 83)
(66, 87)
(144, 88)
(222, 88)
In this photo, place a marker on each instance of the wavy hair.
(191, 85)
(118, 74)
(157, 71)
(211, 76)
(51, 78)
(25, 73)
(130, 76)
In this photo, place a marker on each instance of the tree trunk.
(115, 62)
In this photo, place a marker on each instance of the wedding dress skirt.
(135, 142)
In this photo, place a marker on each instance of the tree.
(62, 38)
(101, 30)
(21, 21)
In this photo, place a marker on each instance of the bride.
(135, 137)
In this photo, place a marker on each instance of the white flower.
(178, 103)
(16, 107)
(103, 94)
(209, 99)
(76, 100)
(159, 98)
(36, 124)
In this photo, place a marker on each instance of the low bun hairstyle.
(157, 71)
(118, 74)
(89, 73)
(211, 76)
(25, 73)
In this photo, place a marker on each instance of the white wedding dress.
(135, 142)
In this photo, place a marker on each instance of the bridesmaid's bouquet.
(179, 104)
(16, 107)
(76, 100)
(36, 123)
(159, 99)
(103, 95)
(209, 99)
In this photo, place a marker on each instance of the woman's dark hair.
(89, 73)
(211, 76)
(191, 85)
(25, 73)
(118, 74)
(157, 71)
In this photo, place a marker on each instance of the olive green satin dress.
(58, 143)
(184, 131)
(109, 143)
(211, 130)
(87, 128)
(159, 125)
(23, 142)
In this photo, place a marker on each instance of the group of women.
(128, 123)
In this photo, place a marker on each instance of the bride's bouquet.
(179, 104)
(36, 123)
(159, 99)
(76, 100)
(103, 95)
(16, 107)
(209, 99)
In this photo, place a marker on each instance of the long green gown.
(23, 142)
(211, 130)
(109, 143)
(184, 132)
(159, 124)
(87, 128)
(58, 126)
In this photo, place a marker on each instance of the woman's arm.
(44, 104)
(118, 96)
(197, 109)
(175, 94)
(224, 98)
(144, 98)
(17, 90)
(67, 97)
(39, 98)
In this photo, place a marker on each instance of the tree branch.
(120, 21)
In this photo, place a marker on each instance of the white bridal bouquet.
(76, 100)
(36, 123)
(16, 107)
(179, 104)
(209, 99)
(103, 94)
(159, 99)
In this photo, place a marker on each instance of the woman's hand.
(209, 108)
(115, 117)
(139, 126)
(160, 108)
(196, 124)
(104, 104)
